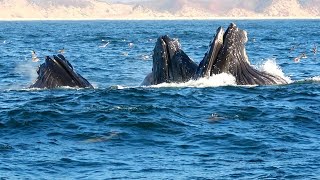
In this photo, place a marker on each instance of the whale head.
(170, 63)
(58, 72)
(227, 54)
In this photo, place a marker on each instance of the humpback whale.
(226, 54)
(56, 72)
(170, 63)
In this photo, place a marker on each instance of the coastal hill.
(173, 9)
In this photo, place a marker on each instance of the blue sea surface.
(121, 130)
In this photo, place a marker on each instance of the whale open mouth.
(170, 63)
(227, 54)
(58, 72)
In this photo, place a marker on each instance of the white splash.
(29, 89)
(213, 81)
(313, 79)
(120, 87)
(95, 85)
(27, 69)
(69, 88)
(270, 66)
(316, 79)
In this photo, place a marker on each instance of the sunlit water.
(205, 129)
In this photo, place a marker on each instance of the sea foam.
(270, 66)
(313, 79)
(223, 79)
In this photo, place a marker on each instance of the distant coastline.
(79, 10)
(160, 18)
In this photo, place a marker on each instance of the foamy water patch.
(316, 79)
(223, 79)
(313, 79)
(57, 88)
(270, 66)
(119, 87)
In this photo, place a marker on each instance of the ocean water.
(206, 129)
